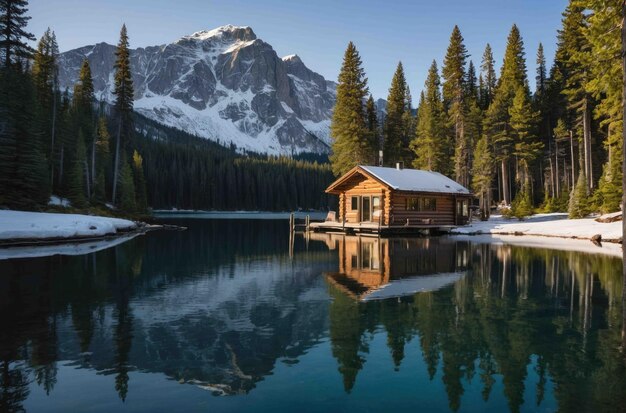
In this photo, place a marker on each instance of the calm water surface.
(233, 315)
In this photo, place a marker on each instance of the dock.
(380, 229)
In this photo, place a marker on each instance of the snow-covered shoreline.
(20, 227)
(545, 225)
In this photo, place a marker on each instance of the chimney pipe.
(380, 158)
(399, 166)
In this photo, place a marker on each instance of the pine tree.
(497, 121)
(140, 183)
(430, 140)
(471, 87)
(123, 102)
(13, 36)
(102, 158)
(578, 204)
(348, 126)
(82, 106)
(541, 77)
(573, 53)
(127, 188)
(373, 129)
(488, 73)
(394, 145)
(606, 81)
(453, 72)
(45, 77)
(76, 179)
(523, 124)
(482, 174)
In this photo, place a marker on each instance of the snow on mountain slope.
(223, 84)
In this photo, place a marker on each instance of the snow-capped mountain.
(224, 84)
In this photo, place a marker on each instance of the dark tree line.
(188, 172)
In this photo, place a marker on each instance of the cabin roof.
(410, 180)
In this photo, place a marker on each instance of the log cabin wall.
(444, 213)
(359, 186)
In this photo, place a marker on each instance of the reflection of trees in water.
(41, 298)
(519, 307)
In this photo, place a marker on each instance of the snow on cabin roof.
(416, 180)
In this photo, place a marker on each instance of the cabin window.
(354, 203)
(421, 204)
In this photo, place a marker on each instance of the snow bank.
(20, 225)
(546, 225)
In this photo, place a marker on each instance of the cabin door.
(462, 212)
(366, 209)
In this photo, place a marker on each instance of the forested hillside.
(557, 147)
(64, 142)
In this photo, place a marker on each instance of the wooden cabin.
(379, 199)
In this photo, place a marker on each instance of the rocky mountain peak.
(225, 34)
(223, 84)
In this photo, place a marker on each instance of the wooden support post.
(307, 222)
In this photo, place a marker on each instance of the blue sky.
(385, 32)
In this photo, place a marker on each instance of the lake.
(235, 315)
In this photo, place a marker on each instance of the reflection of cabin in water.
(377, 199)
(401, 265)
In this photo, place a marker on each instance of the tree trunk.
(87, 179)
(587, 145)
(557, 186)
(505, 183)
(93, 162)
(61, 165)
(623, 173)
(571, 144)
(54, 118)
(117, 160)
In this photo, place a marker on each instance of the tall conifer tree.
(123, 103)
(488, 73)
(429, 142)
(348, 127)
(498, 119)
(13, 34)
(395, 146)
(453, 72)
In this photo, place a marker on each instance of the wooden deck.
(374, 228)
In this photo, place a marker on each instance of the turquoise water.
(233, 315)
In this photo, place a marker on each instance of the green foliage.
(76, 179)
(13, 35)
(523, 121)
(348, 127)
(579, 198)
(522, 205)
(482, 172)
(140, 183)
(488, 76)
(556, 204)
(373, 129)
(24, 180)
(395, 144)
(430, 140)
(127, 189)
(458, 146)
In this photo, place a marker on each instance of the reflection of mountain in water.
(218, 309)
(218, 306)
(377, 268)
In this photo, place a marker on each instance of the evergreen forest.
(555, 146)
